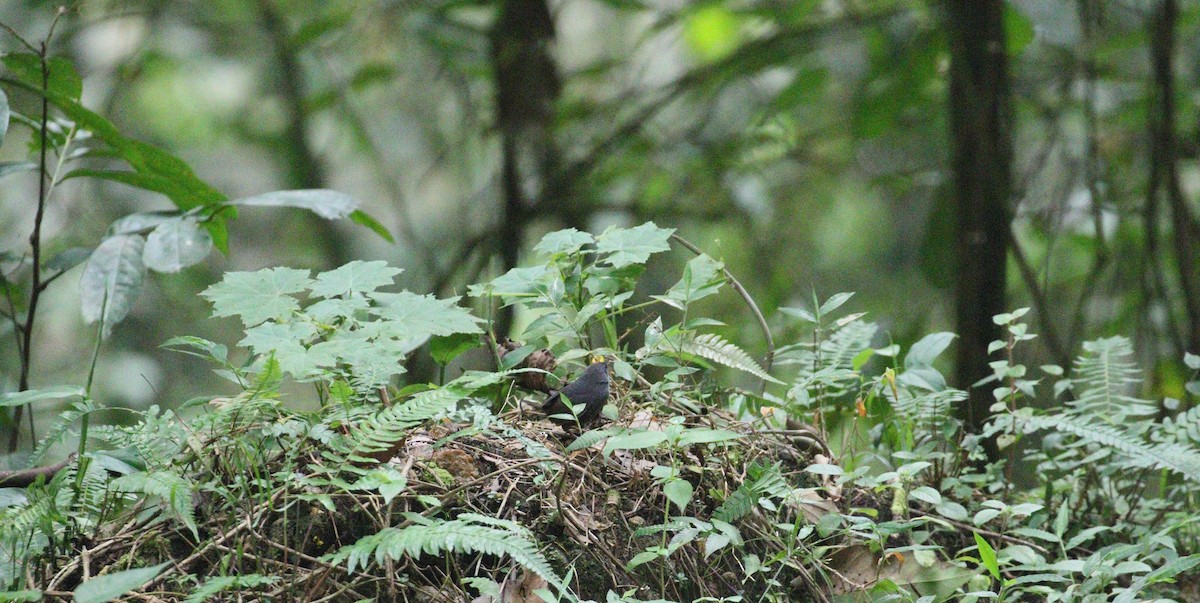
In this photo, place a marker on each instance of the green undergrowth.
(833, 469)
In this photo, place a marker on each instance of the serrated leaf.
(711, 347)
(258, 296)
(329, 204)
(112, 280)
(175, 245)
(420, 316)
(354, 278)
(110, 586)
(514, 283)
(702, 277)
(621, 247)
(563, 241)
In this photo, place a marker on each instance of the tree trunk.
(527, 87)
(980, 122)
(304, 167)
(1164, 174)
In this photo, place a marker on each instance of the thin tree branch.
(769, 359)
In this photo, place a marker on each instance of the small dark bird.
(587, 395)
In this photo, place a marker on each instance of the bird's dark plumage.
(587, 394)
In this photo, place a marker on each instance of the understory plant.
(834, 469)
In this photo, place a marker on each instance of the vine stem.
(769, 359)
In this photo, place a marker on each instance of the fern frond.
(931, 408)
(389, 425)
(61, 427)
(711, 347)
(1173, 457)
(219, 584)
(172, 488)
(157, 439)
(468, 533)
(1104, 378)
(764, 480)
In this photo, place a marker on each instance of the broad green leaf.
(175, 245)
(926, 494)
(446, 348)
(286, 343)
(707, 436)
(141, 223)
(987, 556)
(36, 395)
(702, 277)
(329, 204)
(68, 259)
(20, 596)
(354, 278)
(61, 76)
(634, 440)
(112, 280)
(834, 302)
(110, 586)
(824, 469)
(679, 492)
(621, 247)
(420, 316)
(154, 169)
(258, 296)
(642, 558)
(516, 282)
(563, 241)
(923, 352)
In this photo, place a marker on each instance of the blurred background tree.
(945, 160)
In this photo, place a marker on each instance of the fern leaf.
(61, 427)
(469, 533)
(712, 347)
(1180, 459)
(174, 490)
(219, 584)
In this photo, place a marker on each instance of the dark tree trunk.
(304, 167)
(1164, 174)
(980, 123)
(527, 87)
